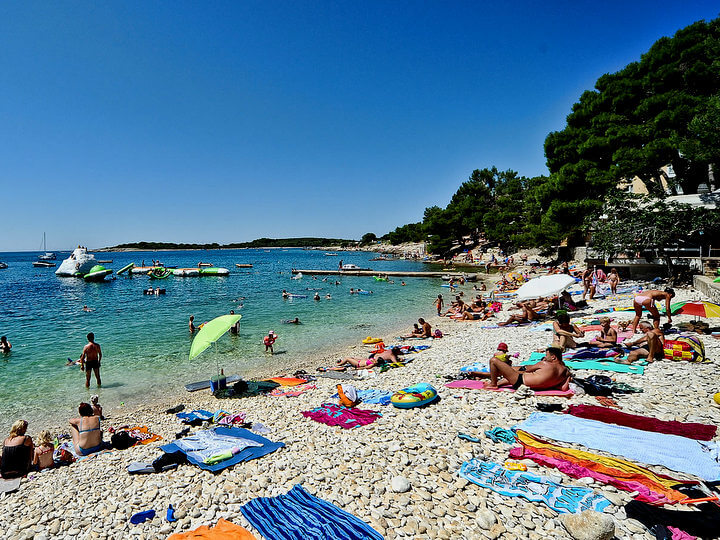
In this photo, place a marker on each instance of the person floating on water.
(269, 340)
(5, 345)
(292, 321)
(90, 360)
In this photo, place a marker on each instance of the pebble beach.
(398, 474)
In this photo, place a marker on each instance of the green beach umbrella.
(211, 332)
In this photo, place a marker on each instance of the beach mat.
(8, 486)
(340, 375)
(298, 515)
(202, 385)
(604, 364)
(246, 454)
(287, 381)
(480, 385)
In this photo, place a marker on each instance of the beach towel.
(339, 375)
(224, 530)
(198, 416)
(475, 366)
(380, 397)
(473, 384)
(297, 515)
(142, 434)
(207, 443)
(650, 487)
(561, 498)
(293, 391)
(681, 454)
(600, 365)
(337, 415)
(691, 430)
(287, 381)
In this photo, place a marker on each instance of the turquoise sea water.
(145, 339)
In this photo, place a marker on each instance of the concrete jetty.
(470, 276)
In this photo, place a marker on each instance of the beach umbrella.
(210, 332)
(545, 286)
(697, 308)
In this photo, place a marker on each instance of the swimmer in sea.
(85, 308)
(285, 294)
(317, 296)
(293, 321)
(5, 345)
(328, 297)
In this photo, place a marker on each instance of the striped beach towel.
(297, 515)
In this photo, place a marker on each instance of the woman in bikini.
(613, 279)
(43, 458)
(387, 356)
(86, 434)
(647, 300)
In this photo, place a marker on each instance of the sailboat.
(48, 256)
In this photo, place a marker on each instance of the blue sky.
(228, 121)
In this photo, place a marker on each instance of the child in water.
(269, 340)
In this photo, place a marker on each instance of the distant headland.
(257, 243)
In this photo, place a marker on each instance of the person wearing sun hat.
(269, 340)
(502, 353)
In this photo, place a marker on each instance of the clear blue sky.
(228, 121)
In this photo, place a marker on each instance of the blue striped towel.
(298, 515)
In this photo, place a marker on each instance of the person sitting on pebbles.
(654, 341)
(387, 356)
(550, 373)
(528, 315)
(500, 354)
(608, 335)
(565, 332)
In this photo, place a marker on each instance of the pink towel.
(480, 385)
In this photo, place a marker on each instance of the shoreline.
(354, 468)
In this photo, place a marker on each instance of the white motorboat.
(79, 263)
(43, 264)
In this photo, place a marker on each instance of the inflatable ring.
(371, 340)
(414, 396)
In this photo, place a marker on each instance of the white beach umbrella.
(545, 286)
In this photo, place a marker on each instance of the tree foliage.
(633, 123)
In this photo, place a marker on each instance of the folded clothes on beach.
(559, 497)
(224, 530)
(197, 416)
(681, 454)
(472, 384)
(298, 515)
(691, 430)
(380, 397)
(498, 434)
(142, 434)
(205, 444)
(650, 487)
(703, 524)
(337, 415)
(293, 391)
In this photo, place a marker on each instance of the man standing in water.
(90, 360)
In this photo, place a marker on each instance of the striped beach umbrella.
(698, 308)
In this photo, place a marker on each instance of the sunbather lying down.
(549, 373)
(528, 315)
(373, 359)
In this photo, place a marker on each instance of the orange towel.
(287, 381)
(224, 530)
(144, 434)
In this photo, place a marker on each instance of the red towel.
(700, 432)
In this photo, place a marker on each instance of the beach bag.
(596, 385)
(122, 440)
(685, 347)
(438, 334)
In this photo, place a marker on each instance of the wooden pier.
(470, 276)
